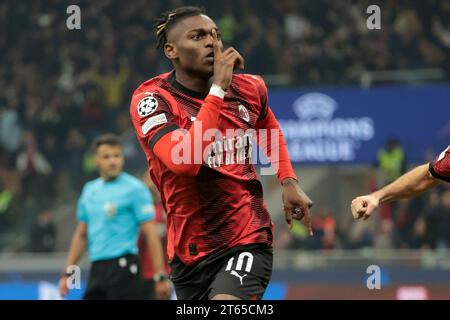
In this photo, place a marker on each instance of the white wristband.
(217, 91)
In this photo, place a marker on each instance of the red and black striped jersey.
(222, 206)
(440, 167)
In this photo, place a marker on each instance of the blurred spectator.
(432, 215)
(75, 147)
(391, 162)
(384, 237)
(5, 198)
(227, 24)
(35, 170)
(111, 79)
(359, 236)
(443, 226)
(134, 157)
(419, 239)
(10, 188)
(299, 237)
(30, 161)
(324, 226)
(10, 127)
(43, 233)
(92, 112)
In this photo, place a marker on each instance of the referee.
(110, 211)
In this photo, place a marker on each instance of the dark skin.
(195, 48)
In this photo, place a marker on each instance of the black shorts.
(243, 272)
(118, 278)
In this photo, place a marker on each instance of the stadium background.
(340, 91)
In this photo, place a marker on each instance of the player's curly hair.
(168, 19)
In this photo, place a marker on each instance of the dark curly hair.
(170, 18)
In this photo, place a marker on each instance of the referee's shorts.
(118, 278)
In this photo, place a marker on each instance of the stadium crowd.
(61, 87)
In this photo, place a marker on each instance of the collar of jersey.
(194, 94)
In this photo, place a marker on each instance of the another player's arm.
(162, 286)
(409, 185)
(296, 203)
(76, 251)
(224, 63)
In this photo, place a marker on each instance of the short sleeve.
(440, 167)
(151, 116)
(82, 215)
(142, 204)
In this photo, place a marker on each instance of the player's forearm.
(274, 146)
(208, 116)
(409, 185)
(156, 252)
(77, 248)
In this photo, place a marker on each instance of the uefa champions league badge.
(147, 106)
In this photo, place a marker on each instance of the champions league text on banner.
(351, 125)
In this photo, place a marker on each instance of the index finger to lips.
(217, 51)
(240, 62)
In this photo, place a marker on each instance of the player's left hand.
(364, 206)
(163, 289)
(296, 204)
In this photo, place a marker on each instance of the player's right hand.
(224, 63)
(296, 204)
(63, 289)
(363, 207)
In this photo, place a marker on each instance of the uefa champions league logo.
(319, 134)
(315, 106)
(147, 106)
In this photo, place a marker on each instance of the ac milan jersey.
(223, 205)
(440, 168)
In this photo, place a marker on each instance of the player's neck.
(196, 84)
(107, 178)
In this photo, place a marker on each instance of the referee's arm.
(162, 287)
(148, 228)
(76, 251)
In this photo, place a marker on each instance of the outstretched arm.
(409, 185)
